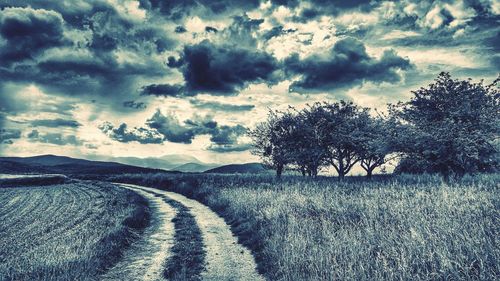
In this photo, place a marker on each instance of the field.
(65, 231)
(390, 228)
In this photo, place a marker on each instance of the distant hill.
(194, 167)
(248, 168)
(166, 162)
(66, 165)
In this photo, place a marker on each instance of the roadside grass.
(72, 231)
(188, 255)
(389, 228)
(33, 180)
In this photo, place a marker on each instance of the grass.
(72, 231)
(390, 228)
(187, 259)
(33, 180)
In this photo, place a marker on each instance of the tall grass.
(392, 228)
(72, 231)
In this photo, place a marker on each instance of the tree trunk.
(369, 173)
(314, 171)
(279, 171)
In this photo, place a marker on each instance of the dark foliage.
(451, 127)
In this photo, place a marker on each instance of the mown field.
(65, 231)
(390, 228)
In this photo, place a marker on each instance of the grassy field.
(390, 228)
(71, 231)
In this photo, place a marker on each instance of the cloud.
(172, 130)
(54, 138)
(345, 65)
(54, 123)
(123, 134)
(211, 29)
(316, 8)
(7, 135)
(162, 90)
(104, 54)
(227, 135)
(177, 9)
(277, 31)
(166, 127)
(28, 32)
(91, 146)
(226, 139)
(134, 105)
(180, 29)
(223, 70)
(218, 106)
(230, 148)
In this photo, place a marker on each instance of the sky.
(147, 78)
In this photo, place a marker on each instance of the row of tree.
(450, 127)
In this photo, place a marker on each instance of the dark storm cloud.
(7, 135)
(74, 13)
(276, 31)
(161, 127)
(162, 90)
(54, 138)
(91, 65)
(54, 123)
(123, 134)
(177, 9)
(327, 7)
(134, 105)
(211, 29)
(218, 106)
(223, 70)
(347, 64)
(180, 29)
(28, 32)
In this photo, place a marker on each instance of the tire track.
(225, 258)
(145, 259)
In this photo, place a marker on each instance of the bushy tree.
(271, 141)
(309, 153)
(451, 125)
(376, 143)
(344, 124)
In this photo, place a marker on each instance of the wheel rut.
(200, 245)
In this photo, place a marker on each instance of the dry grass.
(66, 232)
(401, 228)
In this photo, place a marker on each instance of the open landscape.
(228, 140)
(387, 228)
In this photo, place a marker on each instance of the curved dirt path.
(225, 258)
(146, 257)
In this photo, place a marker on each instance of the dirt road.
(224, 258)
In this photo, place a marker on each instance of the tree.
(309, 154)
(451, 125)
(343, 125)
(375, 144)
(270, 139)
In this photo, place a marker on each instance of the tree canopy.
(450, 127)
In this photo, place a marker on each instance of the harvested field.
(69, 231)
